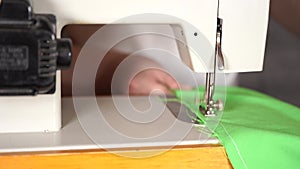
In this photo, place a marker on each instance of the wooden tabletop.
(204, 156)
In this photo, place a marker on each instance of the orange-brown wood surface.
(189, 157)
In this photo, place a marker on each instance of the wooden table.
(198, 157)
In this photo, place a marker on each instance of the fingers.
(153, 81)
(169, 81)
(140, 86)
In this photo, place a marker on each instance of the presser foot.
(208, 109)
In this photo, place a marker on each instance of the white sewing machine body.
(244, 23)
(243, 43)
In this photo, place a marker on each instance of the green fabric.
(257, 131)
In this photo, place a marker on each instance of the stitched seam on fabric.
(235, 145)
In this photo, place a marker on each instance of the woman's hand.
(152, 81)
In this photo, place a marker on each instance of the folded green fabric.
(257, 131)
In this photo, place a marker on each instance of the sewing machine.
(232, 32)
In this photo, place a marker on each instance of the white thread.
(235, 145)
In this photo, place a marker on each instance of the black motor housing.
(30, 53)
